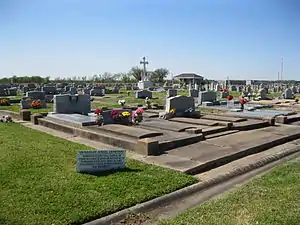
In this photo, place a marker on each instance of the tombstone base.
(144, 84)
(25, 115)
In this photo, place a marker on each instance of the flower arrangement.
(6, 119)
(243, 101)
(148, 102)
(122, 117)
(122, 102)
(98, 111)
(36, 104)
(229, 97)
(114, 114)
(137, 116)
(125, 114)
(99, 117)
(4, 102)
(224, 90)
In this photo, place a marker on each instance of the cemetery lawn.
(39, 184)
(272, 199)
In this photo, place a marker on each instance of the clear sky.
(242, 39)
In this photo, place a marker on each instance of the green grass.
(16, 108)
(273, 199)
(39, 184)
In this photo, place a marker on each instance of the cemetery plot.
(44, 180)
(213, 152)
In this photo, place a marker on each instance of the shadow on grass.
(110, 172)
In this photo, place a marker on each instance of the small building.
(189, 78)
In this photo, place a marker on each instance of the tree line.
(134, 75)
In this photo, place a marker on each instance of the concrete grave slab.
(222, 118)
(77, 119)
(130, 131)
(194, 121)
(168, 125)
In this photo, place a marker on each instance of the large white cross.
(144, 62)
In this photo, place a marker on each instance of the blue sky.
(242, 39)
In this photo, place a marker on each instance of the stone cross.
(144, 62)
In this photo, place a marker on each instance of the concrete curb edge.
(181, 193)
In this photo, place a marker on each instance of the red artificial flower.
(229, 97)
(98, 111)
(243, 101)
(224, 90)
(139, 111)
(114, 114)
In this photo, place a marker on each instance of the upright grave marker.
(94, 161)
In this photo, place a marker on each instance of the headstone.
(171, 93)
(288, 94)
(262, 93)
(207, 96)
(70, 104)
(97, 91)
(49, 90)
(233, 88)
(73, 91)
(144, 84)
(26, 103)
(36, 95)
(194, 93)
(49, 98)
(143, 94)
(94, 161)
(180, 103)
(113, 116)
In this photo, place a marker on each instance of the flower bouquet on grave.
(122, 102)
(36, 104)
(148, 102)
(99, 116)
(137, 116)
(243, 102)
(121, 117)
(224, 90)
(4, 102)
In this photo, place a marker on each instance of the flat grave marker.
(95, 161)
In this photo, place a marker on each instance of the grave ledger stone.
(94, 161)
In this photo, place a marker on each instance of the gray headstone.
(27, 101)
(180, 104)
(194, 93)
(143, 94)
(36, 95)
(171, 93)
(69, 104)
(288, 94)
(207, 96)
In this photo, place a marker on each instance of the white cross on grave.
(144, 74)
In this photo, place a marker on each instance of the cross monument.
(144, 62)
